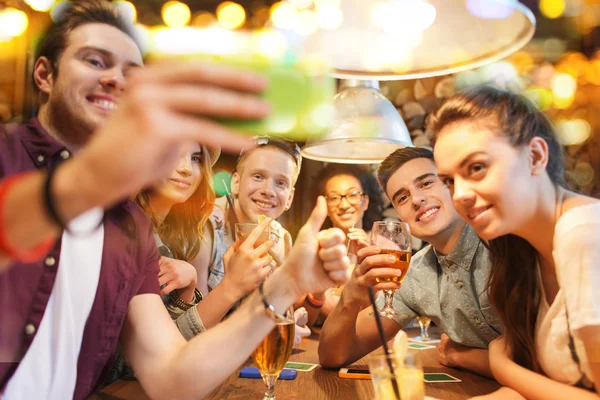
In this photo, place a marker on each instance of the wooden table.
(321, 384)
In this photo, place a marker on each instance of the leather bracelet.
(38, 251)
(177, 301)
(51, 207)
(49, 199)
(314, 302)
(269, 309)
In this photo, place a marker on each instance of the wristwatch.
(184, 305)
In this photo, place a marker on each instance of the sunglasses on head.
(289, 146)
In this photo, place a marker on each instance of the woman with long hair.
(503, 163)
(354, 203)
(180, 207)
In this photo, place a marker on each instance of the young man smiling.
(262, 184)
(446, 280)
(62, 316)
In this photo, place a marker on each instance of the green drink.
(300, 89)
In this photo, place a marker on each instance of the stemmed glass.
(273, 353)
(424, 323)
(393, 238)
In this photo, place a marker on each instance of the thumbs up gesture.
(318, 259)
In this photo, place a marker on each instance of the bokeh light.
(522, 61)
(407, 16)
(573, 132)
(587, 20)
(540, 96)
(552, 8)
(127, 9)
(329, 16)
(204, 19)
(307, 22)
(175, 14)
(321, 3)
(270, 43)
(13, 22)
(40, 5)
(284, 15)
(301, 4)
(563, 89)
(583, 173)
(231, 15)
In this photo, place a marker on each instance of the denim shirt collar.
(462, 254)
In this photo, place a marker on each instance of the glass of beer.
(273, 353)
(393, 238)
(424, 323)
(243, 230)
(408, 374)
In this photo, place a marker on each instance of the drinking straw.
(384, 342)
(349, 241)
(229, 200)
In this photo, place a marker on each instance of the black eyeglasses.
(352, 198)
(289, 146)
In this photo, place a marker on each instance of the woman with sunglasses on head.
(503, 163)
(354, 203)
(190, 241)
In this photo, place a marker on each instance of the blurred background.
(559, 69)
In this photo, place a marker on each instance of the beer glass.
(393, 238)
(243, 230)
(273, 353)
(408, 374)
(424, 323)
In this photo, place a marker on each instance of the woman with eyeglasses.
(354, 203)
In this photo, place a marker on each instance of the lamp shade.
(411, 39)
(367, 127)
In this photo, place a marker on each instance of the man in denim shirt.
(446, 280)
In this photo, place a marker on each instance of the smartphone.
(354, 373)
(254, 373)
(300, 89)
